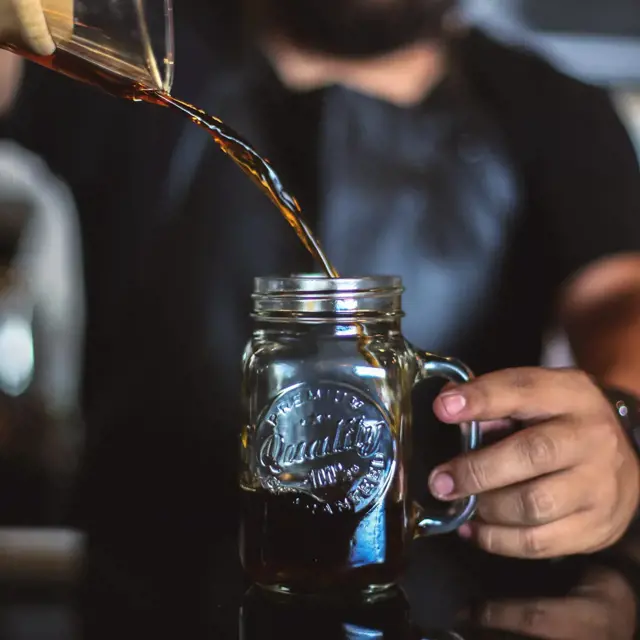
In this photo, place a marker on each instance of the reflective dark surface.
(450, 591)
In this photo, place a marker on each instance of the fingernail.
(442, 485)
(465, 531)
(453, 404)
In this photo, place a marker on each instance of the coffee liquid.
(284, 540)
(238, 149)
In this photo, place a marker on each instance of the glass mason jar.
(326, 446)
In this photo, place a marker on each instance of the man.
(505, 194)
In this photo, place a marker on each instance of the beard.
(355, 28)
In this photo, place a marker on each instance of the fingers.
(539, 542)
(521, 394)
(565, 483)
(537, 502)
(524, 455)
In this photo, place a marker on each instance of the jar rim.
(315, 283)
(317, 298)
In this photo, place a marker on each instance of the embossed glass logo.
(329, 442)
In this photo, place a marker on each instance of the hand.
(602, 606)
(569, 482)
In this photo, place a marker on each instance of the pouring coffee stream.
(258, 169)
(239, 150)
(110, 45)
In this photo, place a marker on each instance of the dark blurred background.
(41, 294)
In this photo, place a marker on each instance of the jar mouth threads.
(308, 297)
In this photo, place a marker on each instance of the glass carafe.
(119, 45)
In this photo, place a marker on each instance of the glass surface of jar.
(326, 446)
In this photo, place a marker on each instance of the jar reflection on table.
(266, 615)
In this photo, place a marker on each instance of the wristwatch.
(627, 409)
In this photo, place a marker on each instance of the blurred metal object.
(16, 335)
(41, 338)
(43, 555)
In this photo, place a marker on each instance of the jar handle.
(432, 366)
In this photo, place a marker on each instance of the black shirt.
(508, 179)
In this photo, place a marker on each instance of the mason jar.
(326, 445)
